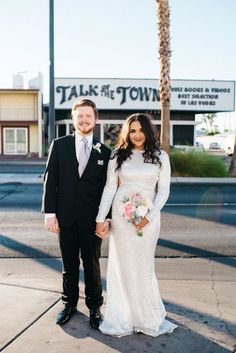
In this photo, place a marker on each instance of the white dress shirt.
(78, 139)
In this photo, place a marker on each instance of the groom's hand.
(52, 225)
(102, 229)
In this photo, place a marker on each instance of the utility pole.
(51, 127)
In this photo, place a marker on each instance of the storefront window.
(15, 140)
(183, 135)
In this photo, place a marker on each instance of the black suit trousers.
(75, 243)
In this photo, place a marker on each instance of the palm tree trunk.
(163, 15)
(232, 168)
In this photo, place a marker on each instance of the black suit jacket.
(71, 197)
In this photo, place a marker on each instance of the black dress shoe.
(95, 318)
(65, 315)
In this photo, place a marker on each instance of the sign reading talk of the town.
(143, 94)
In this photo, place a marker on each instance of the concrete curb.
(193, 180)
(22, 162)
(38, 179)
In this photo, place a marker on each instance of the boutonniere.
(97, 147)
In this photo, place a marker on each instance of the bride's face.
(136, 135)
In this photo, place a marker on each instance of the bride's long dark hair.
(124, 145)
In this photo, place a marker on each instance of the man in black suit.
(74, 179)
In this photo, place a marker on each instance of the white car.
(214, 146)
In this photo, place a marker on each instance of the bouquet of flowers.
(136, 206)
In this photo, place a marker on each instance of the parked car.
(214, 146)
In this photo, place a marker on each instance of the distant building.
(118, 98)
(20, 123)
(21, 118)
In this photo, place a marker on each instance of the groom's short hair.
(85, 103)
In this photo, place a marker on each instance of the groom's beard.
(84, 129)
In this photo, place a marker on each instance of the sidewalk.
(199, 295)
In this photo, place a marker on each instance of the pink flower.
(135, 208)
(128, 210)
(137, 199)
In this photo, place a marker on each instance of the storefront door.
(15, 140)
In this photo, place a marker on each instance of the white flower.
(97, 147)
(149, 204)
(141, 211)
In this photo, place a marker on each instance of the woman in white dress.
(137, 166)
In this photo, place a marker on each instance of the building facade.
(20, 123)
(118, 98)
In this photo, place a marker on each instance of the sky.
(118, 39)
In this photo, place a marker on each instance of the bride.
(137, 187)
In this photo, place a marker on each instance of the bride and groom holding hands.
(90, 192)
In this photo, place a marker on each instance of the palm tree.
(163, 15)
(210, 117)
(232, 168)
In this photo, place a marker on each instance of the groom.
(74, 179)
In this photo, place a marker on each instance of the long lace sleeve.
(163, 187)
(109, 191)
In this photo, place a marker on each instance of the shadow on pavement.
(204, 319)
(29, 251)
(180, 341)
(197, 252)
(39, 255)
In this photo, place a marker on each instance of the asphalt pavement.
(199, 295)
(197, 221)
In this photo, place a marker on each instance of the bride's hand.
(141, 224)
(102, 229)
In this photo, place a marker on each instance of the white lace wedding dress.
(133, 299)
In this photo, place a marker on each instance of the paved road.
(197, 221)
(21, 168)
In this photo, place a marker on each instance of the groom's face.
(84, 120)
